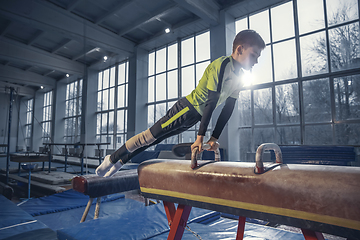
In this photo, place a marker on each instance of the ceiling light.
(105, 58)
(42, 87)
(67, 75)
(167, 30)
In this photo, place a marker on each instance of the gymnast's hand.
(198, 143)
(214, 145)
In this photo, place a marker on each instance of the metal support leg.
(177, 219)
(49, 170)
(66, 157)
(100, 155)
(312, 235)
(97, 208)
(29, 183)
(82, 160)
(170, 211)
(86, 210)
(241, 228)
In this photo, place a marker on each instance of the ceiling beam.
(20, 90)
(61, 45)
(160, 12)
(86, 53)
(51, 18)
(175, 30)
(145, 30)
(37, 36)
(5, 29)
(207, 10)
(28, 68)
(14, 51)
(113, 11)
(48, 73)
(73, 5)
(164, 22)
(15, 75)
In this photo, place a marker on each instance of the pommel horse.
(316, 198)
(96, 187)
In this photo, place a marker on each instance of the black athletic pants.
(178, 119)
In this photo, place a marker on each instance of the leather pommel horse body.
(315, 198)
(96, 187)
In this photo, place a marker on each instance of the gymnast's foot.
(104, 166)
(114, 169)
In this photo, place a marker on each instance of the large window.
(28, 124)
(306, 87)
(174, 71)
(46, 120)
(122, 104)
(73, 111)
(112, 106)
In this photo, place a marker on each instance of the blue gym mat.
(140, 223)
(119, 218)
(224, 228)
(63, 201)
(151, 223)
(16, 224)
(70, 218)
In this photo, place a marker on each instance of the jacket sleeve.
(210, 105)
(224, 117)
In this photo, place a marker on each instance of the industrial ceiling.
(41, 41)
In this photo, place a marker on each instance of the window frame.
(112, 134)
(330, 75)
(166, 103)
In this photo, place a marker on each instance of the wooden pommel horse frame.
(316, 198)
(96, 187)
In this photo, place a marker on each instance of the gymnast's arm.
(210, 105)
(221, 122)
(224, 117)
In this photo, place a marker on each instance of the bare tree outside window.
(316, 99)
(322, 104)
(263, 106)
(344, 47)
(244, 107)
(347, 105)
(314, 59)
(46, 120)
(73, 111)
(287, 103)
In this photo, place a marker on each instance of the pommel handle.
(259, 167)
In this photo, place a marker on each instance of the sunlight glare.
(248, 78)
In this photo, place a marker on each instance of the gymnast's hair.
(248, 38)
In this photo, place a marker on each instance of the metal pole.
(29, 182)
(66, 157)
(9, 131)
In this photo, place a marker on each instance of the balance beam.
(96, 187)
(28, 158)
(314, 198)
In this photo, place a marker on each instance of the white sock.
(104, 166)
(114, 169)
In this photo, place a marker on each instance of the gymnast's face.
(247, 56)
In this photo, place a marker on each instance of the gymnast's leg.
(172, 123)
(115, 161)
(116, 167)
